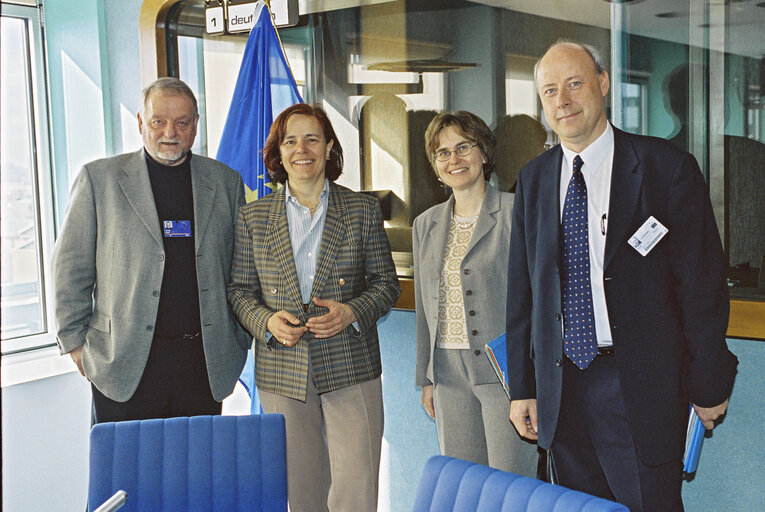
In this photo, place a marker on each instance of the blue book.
(693, 441)
(496, 351)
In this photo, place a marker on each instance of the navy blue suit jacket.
(668, 310)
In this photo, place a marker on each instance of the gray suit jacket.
(484, 278)
(108, 263)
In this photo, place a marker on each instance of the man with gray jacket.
(140, 268)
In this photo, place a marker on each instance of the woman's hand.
(286, 328)
(427, 401)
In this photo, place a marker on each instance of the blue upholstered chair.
(461, 486)
(202, 463)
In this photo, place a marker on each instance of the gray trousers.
(333, 447)
(472, 419)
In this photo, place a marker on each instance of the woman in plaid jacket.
(312, 274)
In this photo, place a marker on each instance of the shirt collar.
(289, 198)
(594, 154)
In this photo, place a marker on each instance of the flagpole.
(278, 37)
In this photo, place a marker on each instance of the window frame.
(43, 173)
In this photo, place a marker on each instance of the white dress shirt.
(598, 160)
(305, 234)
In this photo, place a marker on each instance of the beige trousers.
(333, 447)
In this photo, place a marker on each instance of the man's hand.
(708, 415)
(523, 415)
(427, 400)
(76, 356)
(339, 317)
(286, 328)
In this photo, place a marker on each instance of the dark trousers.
(174, 383)
(593, 448)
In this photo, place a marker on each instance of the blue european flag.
(265, 86)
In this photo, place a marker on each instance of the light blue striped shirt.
(305, 236)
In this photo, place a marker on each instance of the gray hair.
(169, 85)
(594, 53)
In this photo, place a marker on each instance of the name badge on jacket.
(648, 236)
(177, 228)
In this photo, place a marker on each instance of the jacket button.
(474, 332)
(557, 316)
(149, 327)
(161, 257)
(472, 313)
(477, 352)
(466, 271)
(469, 292)
(341, 282)
(155, 293)
(558, 362)
(273, 291)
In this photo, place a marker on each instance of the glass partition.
(690, 71)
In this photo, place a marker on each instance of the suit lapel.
(486, 220)
(278, 240)
(626, 178)
(335, 226)
(203, 190)
(436, 236)
(549, 211)
(136, 186)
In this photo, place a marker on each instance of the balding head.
(572, 91)
(597, 58)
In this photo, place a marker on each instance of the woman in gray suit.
(460, 251)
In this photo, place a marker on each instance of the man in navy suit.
(611, 339)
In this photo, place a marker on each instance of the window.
(26, 234)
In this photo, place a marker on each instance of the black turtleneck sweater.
(178, 312)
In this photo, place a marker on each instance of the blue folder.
(693, 441)
(496, 351)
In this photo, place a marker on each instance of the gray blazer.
(484, 280)
(108, 263)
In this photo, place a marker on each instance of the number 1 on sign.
(214, 20)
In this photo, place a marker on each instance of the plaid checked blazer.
(355, 267)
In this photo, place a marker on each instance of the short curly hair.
(471, 126)
(272, 155)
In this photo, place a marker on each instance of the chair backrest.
(462, 486)
(202, 463)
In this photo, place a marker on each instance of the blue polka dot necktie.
(579, 341)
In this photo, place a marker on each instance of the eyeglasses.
(464, 149)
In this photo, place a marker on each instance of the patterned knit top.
(452, 333)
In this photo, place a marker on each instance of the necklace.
(311, 207)
(465, 222)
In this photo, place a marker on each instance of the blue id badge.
(177, 228)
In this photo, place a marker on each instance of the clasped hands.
(286, 328)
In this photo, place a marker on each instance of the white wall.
(45, 425)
